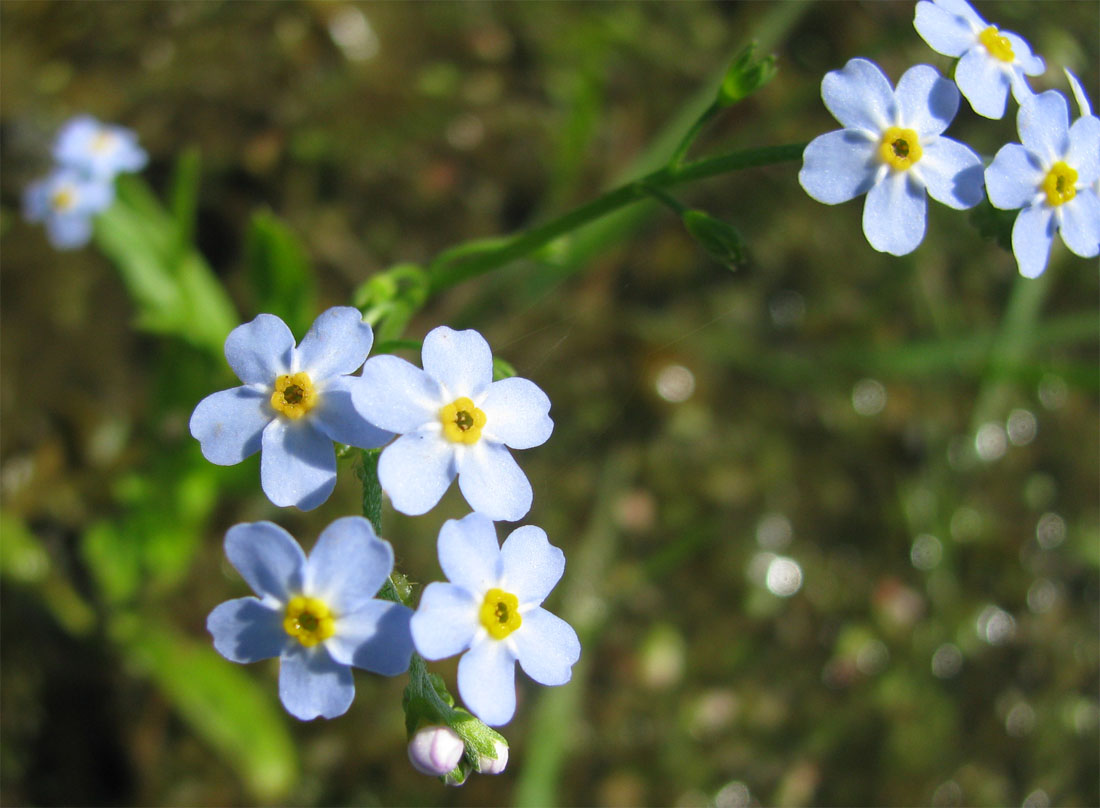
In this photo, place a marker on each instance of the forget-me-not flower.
(293, 404)
(65, 201)
(491, 609)
(318, 615)
(98, 149)
(453, 420)
(892, 149)
(1051, 175)
(992, 60)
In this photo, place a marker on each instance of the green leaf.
(719, 239)
(502, 369)
(184, 195)
(279, 272)
(113, 559)
(745, 75)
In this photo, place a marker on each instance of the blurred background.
(830, 519)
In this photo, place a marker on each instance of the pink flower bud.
(435, 750)
(488, 765)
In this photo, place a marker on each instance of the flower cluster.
(319, 615)
(893, 150)
(88, 156)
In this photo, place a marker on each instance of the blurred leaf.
(502, 369)
(721, 240)
(223, 704)
(185, 195)
(279, 271)
(113, 559)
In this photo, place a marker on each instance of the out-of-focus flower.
(1051, 175)
(491, 610)
(435, 750)
(65, 201)
(317, 614)
(453, 419)
(991, 60)
(293, 404)
(99, 150)
(892, 149)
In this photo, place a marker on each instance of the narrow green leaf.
(184, 195)
(279, 272)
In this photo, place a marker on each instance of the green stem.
(448, 273)
(689, 137)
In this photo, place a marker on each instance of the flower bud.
(435, 750)
(494, 765)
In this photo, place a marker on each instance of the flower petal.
(944, 32)
(415, 471)
(964, 11)
(487, 682)
(1031, 238)
(1013, 178)
(927, 102)
(228, 424)
(69, 231)
(375, 637)
(246, 630)
(1043, 123)
(297, 464)
(469, 553)
(493, 483)
(261, 350)
(1084, 149)
(396, 395)
(348, 565)
(952, 173)
(1079, 93)
(983, 82)
(336, 416)
(461, 361)
(516, 413)
(312, 683)
(1081, 224)
(268, 558)
(1025, 61)
(337, 344)
(838, 166)
(546, 647)
(894, 214)
(859, 96)
(445, 622)
(531, 566)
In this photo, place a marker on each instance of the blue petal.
(839, 166)
(1013, 178)
(375, 638)
(228, 424)
(69, 231)
(516, 413)
(459, 360)
(894, 214)
(312, 683)
(927, 102)
(348, 565)
(952, 173)
(1079, 93)
(261, 350)
(492, 482)
(396, 395)
(547, 647)
(944, 32)
(487, 682)
(1043, 123)
(415, 470)
(1031, 238)
(983, 82)
(336, 416)
(1025, 61)
(445, 622)
(268, 558)
(298, 464)
(860, 96)
(1084, 149)
(469, 553)
(36, 200)
(531, 567)
(337, 344)
(246, 630)
(72, 146)
(964, 11)
(1080, 227)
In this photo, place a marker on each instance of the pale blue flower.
(992, 61)
(293, 404)
(492, 611)
(318, 615)
(453, 420)
(1084, 107)
(98, 149)
(66, 201)
(1052, 177)
(892, 149)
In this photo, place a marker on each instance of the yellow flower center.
(294, 395)
(102, 141)
(1060, 184)
(900, 148)
(63, 199)
(500, 613)
(309, 620)
(462, 421)
(998, 45)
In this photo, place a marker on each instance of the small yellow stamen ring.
(1060, 184)
(500, 613)
(462, 421)
(900, 148)
(63, 198)
(102, 141)
(309, 620)
(997, 44)
(294, 395)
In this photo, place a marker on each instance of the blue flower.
(453, 420)
(99, 150)
(66, 201)
(891, 148)
(992, 60)
(317, 614)
(293, 404)
(491, 609)
(1052, 177)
